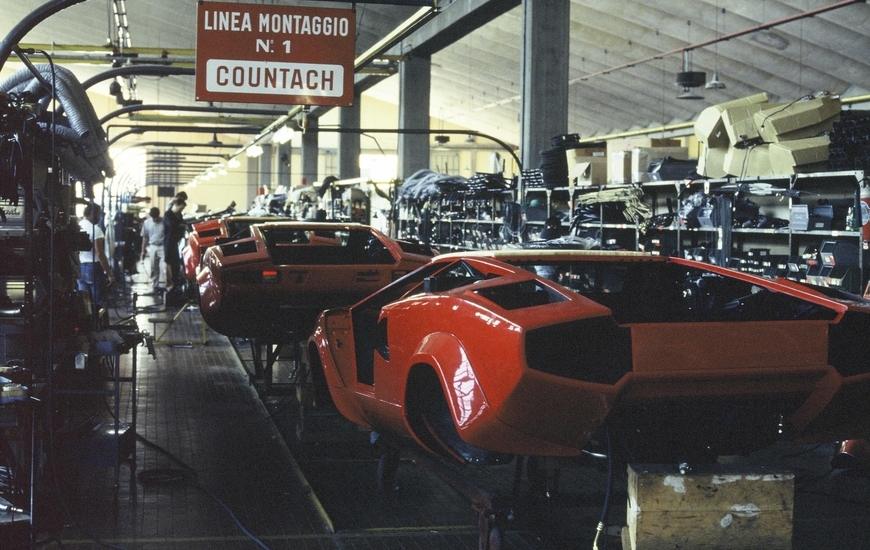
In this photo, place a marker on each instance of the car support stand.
(159, 339)
(493, 511)
(265, 353)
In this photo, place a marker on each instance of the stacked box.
(753, 137)
(619, 168)
(786, 157)
(642, 157)
(589, 166)
(799, 119)
(620, 157)
(710, 124)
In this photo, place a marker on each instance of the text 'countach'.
(256, 77)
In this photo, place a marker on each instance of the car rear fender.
(448, 357)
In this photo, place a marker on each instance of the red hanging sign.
(249, 53)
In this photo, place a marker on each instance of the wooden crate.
(715, 507)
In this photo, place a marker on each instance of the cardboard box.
(812, 130)
(590, 171)
(748, 162)
(716, 506)
(619, 167)
(616, 145)
(785, 156)
(641, 157)
(795, 116)
(709, 126)
(739, 122)
(586, 152)
(711, 162)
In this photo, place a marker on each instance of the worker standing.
(152, 247)
(96, 273)
(173, 231)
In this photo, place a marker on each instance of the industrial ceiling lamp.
(688, 79)
(687, 93)
(716, 84)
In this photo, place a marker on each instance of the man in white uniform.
(95, 269)
(152, 247)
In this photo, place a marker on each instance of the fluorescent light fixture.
(254, 150)
(283, 134)
(234, 163)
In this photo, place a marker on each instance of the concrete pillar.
(265, 178)
(348, 144)
(253, 172)
(415, 78)
(546, 30)
(282, 164)
(310, 152)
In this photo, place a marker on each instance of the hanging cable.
(602, 523)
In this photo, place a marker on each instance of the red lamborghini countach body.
(480, 356)
(204, 234)
(277, 280)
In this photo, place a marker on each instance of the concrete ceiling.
(476, 80)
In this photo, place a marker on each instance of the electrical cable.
(787, 105)
(169, 475)
(602, 523)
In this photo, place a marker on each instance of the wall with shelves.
(459, 214)
(806, 227)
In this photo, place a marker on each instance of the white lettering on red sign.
(222, 20)
(226, 21)
(303, 24)
(256, 77)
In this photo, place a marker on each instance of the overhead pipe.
(249, 130)
(193, 109)
(145, 70)
(179, 144)
(421, 131)
(24, 26)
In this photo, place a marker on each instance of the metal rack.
(717, 240)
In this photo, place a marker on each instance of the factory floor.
(226, 459)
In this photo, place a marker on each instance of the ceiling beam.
(456, 21)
